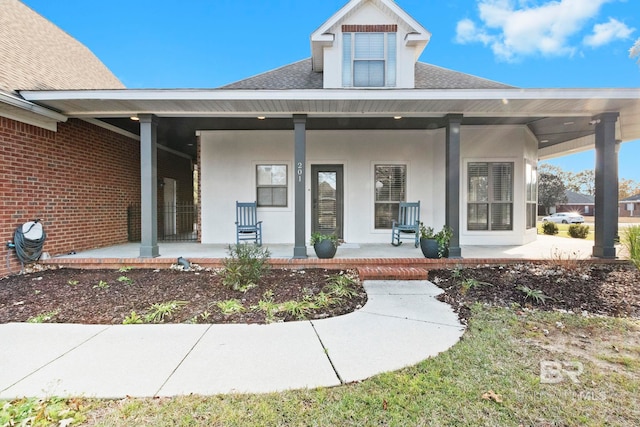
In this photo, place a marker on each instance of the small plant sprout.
(124, 269)
(72, 282)
(159, 311)
(126, 280)
(44, 317)
(467, 284)
(132, 319)
(298, 309)
(230, 306)
(341, 286)
(535, 294)
(101, 285)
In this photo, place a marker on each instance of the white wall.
(229, 159)
(369, 14)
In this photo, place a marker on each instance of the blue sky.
(208, 43)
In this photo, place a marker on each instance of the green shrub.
(631, 241)
(245, 266)
(579, 231)
(549, 228)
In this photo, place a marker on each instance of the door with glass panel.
(327, 199)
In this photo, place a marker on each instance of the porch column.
(452, 188)
(606, 203)
(148, 186)
(299, 195)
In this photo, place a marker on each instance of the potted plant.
(325, 245)
(435, 245)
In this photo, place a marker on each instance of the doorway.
(327, 199)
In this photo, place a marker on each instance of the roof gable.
(325, 35)
(36, 54)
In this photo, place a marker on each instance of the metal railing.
(176, 222)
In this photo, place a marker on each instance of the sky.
(209, 43)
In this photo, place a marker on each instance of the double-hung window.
(490, 196)
(369, 59)
(271, 185)
(390, 183)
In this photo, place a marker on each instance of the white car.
(564, 218)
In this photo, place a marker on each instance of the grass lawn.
(491, 377)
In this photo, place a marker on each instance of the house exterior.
(333, 143)
(583, 204)
(630, 207)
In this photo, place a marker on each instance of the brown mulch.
(76, 296)
(578, 287)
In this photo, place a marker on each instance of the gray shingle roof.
(36, 54)
(634, 198)
(578, 198)
(299, 75)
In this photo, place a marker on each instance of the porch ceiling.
(555, 116)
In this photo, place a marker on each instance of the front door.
(327, 199)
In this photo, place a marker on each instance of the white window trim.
(290, 183)
(386, 85)
(372, 199)
(465, 195)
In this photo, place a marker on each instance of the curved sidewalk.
(401, 324)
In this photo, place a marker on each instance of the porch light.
(261, 117)
(135, 118)
(397, 117)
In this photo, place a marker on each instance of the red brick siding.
(78, 181)
(391, 28)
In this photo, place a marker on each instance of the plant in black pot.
(325, 245)
(435, 244)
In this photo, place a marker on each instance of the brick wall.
(78, 181)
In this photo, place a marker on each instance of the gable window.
(532, 194)
(271, 185)
(369, 58)
(490, 196)
(390, 183)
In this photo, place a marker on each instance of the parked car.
(564, 218)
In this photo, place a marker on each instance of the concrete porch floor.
(545, 247)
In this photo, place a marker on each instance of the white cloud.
(608, 32)
(528, 27)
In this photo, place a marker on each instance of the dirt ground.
(109, 296)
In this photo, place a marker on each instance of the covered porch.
(557, 121)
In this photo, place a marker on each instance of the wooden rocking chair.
(408, 224)
(247, 225)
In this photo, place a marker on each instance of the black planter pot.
(429, 248)
(325, 249)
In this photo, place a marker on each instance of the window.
(532, 194)
(390, 185)
(369, 60)
(272, 185)
(489, 196)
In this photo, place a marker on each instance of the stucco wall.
(229, 158)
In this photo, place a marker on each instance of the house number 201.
(300, 171)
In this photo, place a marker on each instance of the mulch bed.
(578, 287)
(99, 297)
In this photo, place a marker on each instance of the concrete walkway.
(401, 324)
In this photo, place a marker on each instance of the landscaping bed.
(173, 296)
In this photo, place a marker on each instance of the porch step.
(392, 273)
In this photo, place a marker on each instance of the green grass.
(501, 352)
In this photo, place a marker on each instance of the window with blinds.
(531, 176)
(369, 59)
(390, 183)
(489, 196)
(271, 185)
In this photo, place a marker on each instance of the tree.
(551, 191)
(627, 188)
(583, 182)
